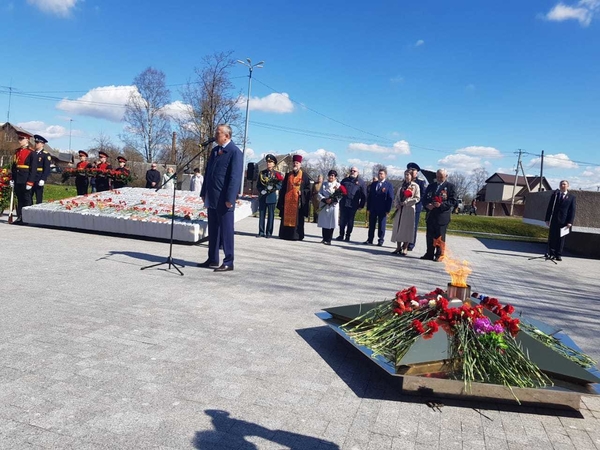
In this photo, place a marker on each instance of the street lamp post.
(70, 122)
(251, 67)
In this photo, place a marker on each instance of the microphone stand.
(169, 259)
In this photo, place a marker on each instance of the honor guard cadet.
(81, 179)
(43, 160)
(269, 183)
(102, 180)
(119, 183)
(23, 170)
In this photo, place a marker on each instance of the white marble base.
(131, 211)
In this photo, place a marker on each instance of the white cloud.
(61, 8)
(591, 172)
(48, 131)
(460, 163)
(397, 79)
(249, 154)
(480, 151)
(274, 103)
(314, 156)
(107, 102)
(583, 12)
(178, 110)
(419, 43)
(558, 161)
(399, 148)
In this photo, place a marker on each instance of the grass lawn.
(58, 192)
(464, 224)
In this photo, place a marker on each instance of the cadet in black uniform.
(102, 180)
(23, 170)
(43, 160)
(119, 183)
(82, 181)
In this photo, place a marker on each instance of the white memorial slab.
(131, 211)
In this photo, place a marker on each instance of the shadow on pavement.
(232, 433)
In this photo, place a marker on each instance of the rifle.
(10, 213)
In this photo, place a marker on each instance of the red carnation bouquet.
(338, 194)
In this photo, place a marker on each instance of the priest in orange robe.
(294, 202)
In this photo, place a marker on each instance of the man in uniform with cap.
(269, 182)
(102, 180)
(43, 160)
(294, 201)
(81, 178)
(24, 170)
(122, 173)
(415, 169)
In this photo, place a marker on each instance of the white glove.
(12, 183)
(41, 183)
(28, 187)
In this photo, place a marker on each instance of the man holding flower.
(439, 201)
(269, 182)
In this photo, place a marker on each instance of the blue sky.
(458, 85)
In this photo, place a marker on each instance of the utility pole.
(9, 97)
(70, 122)
(174, 147)
(512, 200)
(541, 172)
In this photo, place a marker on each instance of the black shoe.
(339, 238)
(367, 243)
(410, 249)
(260, 235)
(557, 258)
(427, 257)
(347, 239)
(268, 236)
(223, 268)
(208, 265)
(327, 242)
(380, 244)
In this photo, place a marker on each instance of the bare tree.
(103, 143)
(461, 182)
(478, 178)
(325, 163)
(211, 100)
(148, 127)
(377, 168)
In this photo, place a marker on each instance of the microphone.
(209, 141)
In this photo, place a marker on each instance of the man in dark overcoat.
(559, 217)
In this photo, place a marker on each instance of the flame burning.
(458, 270)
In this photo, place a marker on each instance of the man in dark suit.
(152, 177)
(221, 185)
(269, 182)
(379, 203)
(352, 202)
(439, 201)
(43, 160)
(559, 216)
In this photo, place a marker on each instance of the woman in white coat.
(330, 209)
(403, 229)
(168, 182)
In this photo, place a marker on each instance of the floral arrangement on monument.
(480, 349)
(270, 182)
(124, 176)
(5, 177)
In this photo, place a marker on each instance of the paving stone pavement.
(97, 354)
